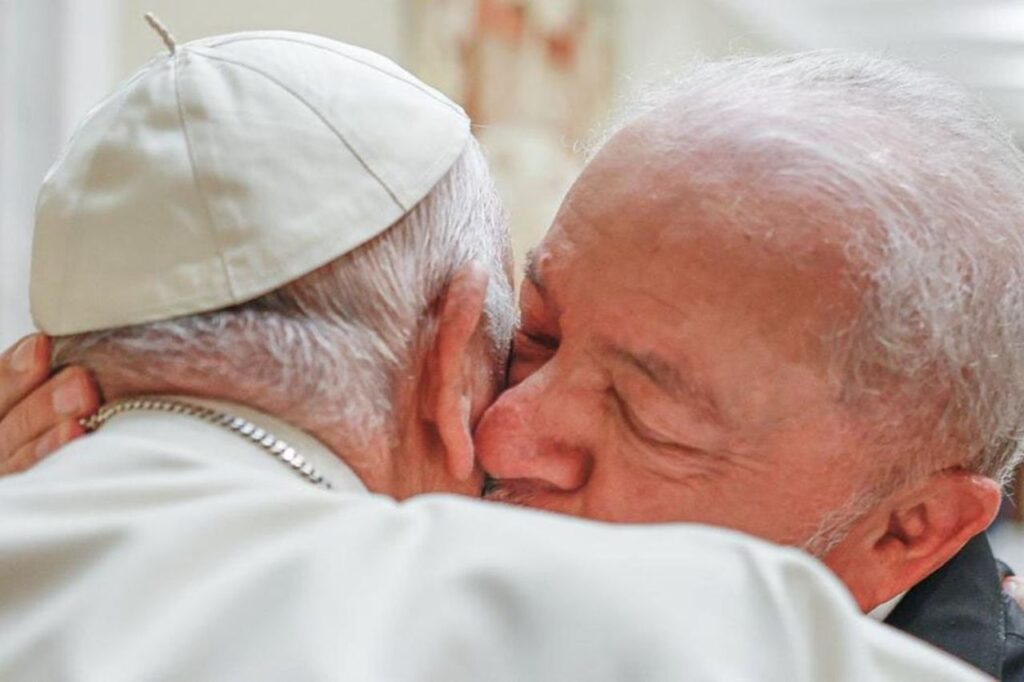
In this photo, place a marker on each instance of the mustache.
(516, 493)
(490, 485)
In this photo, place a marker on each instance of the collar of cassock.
(334, 470)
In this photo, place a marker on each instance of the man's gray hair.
(930, 187)
(330, 349)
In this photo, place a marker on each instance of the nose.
(528, 434)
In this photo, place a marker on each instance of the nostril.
(563, 469)
(545, 468)
(583, 467)
(529, 492)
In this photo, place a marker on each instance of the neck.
(410, 463)
(369, 458)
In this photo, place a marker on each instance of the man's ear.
(454, 369)
(914, 533)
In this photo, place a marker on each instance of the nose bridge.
(546, 398)
(541, 429)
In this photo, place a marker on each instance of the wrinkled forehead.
(773, 193)
(644, 221)
(646, 191)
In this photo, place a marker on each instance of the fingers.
(23, 367)
(39, 414)
(1014, 587)
(69, 396)
(28, 455)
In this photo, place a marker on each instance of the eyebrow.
(670, 380)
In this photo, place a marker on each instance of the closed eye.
(644, 432)
(541, 340)
(529, 352)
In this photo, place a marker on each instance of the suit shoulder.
(1013, 661)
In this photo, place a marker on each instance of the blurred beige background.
(537, 75)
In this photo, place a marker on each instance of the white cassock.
(166, 548)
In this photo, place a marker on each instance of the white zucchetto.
(226, 168)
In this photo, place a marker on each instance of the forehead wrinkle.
(672, 381)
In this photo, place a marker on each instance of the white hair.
(333, 347)
(929, 187)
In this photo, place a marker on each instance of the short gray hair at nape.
(333, 348)
(932, 186)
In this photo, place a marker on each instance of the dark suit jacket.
(961, 608)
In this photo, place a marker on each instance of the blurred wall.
(373, 24)
(650, 36)
(979, 43)
(656, 36)
(56, 61)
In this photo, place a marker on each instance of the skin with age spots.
(673, 364)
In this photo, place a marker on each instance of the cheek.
(778, 505)
(626, 490)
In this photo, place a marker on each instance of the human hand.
(1014, 586)
(39, 413)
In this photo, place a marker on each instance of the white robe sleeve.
(165, 567)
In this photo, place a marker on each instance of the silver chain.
(276, 447)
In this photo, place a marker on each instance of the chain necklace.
(270, 443)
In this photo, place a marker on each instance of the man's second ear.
(914, 533)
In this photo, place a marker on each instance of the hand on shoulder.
(39, 411)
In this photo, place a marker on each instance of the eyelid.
(529, 349)
(543, 340)
(642, 430)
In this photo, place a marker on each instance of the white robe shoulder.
(165, 548)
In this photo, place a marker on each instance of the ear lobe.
(957, 505)
(454, 370)
(899, 545)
